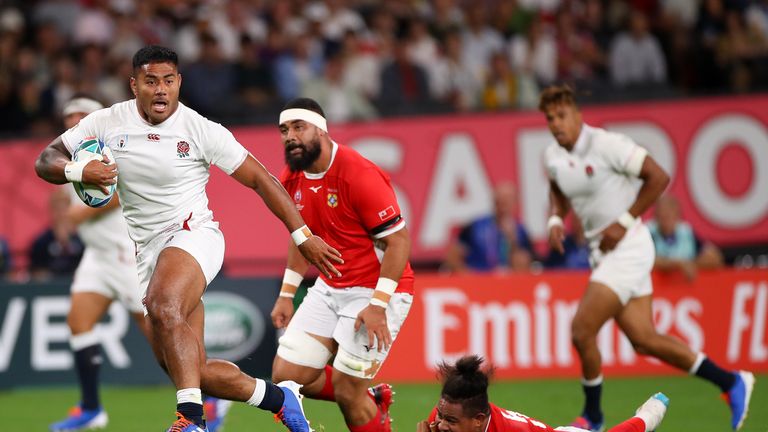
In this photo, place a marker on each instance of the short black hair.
(154, 54)
(305, 103)
(466, 384)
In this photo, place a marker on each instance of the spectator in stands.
(677, 247)
(505, 89)
(579, 57)
(451, 81)
(497, 242)
(57, 250)
(535, 52)
(340, 101)
(479, 40)
(636, 56)
(210, 81)
(404, 88)
(576, 250)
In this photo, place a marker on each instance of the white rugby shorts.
(331, 313)
(205, 243)
(626, 269)
(111, 273)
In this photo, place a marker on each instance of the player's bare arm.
(559, 207)
(396, 253)
(51, 163)
(655, 180)
(253, 175)
(283, 310)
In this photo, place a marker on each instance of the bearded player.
(356, 317)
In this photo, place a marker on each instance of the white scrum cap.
(303, 114)
(81, 105)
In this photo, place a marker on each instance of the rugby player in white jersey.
(107, 272)
(164, 151)
(595, 173)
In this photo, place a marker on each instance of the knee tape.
(299, 348)
(354, 365)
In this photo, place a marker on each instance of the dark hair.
(305, 103)
(154, 54)
(556, 95)
(466, 384)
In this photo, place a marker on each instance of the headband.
(303, 114)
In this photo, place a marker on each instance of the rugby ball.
(89, 149)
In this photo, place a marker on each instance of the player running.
(594, 172)
(164, 151)
(356, 317)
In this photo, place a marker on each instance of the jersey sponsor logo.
(315, 188)
(122, 142)
(182, 149)
(333, 200)
(589, 170)
(153, 137)
(387, 213)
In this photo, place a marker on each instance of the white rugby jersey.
(105, 231)
(162, 169)
(599, 175)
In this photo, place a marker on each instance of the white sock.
(258, 393)
(593, 382)
(697, 363)
(192, 395)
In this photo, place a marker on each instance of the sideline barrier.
(34, 337)
(522, 324)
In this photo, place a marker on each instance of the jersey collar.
(583, 140)
(318, 176)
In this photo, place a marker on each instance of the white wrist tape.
(554, 221)
(292, 278)
(385, 287)
(626, 220)
(73, 171)
(301, 235)
(286, 294)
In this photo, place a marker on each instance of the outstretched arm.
(252, 174)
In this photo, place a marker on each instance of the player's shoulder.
(353, 162)
(603, 137)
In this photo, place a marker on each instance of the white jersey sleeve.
(92, 125)
(622, 154)
(222, 149)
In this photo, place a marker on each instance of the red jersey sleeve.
(432, 415)
(374, 201)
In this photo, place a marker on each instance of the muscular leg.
(598, 304)
(636, 321)
(173, 294)
(354, 400)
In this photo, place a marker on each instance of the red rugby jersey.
(507, 421)
(349, 206)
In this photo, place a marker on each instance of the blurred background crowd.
(363, 59)
(366, 59)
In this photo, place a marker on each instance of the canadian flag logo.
(387, 213)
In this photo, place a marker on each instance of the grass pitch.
(695, 405)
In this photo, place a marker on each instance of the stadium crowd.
(364, 58)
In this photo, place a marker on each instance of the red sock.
(635, 424)
(372, 426)
(326, 393)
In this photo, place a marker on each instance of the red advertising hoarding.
(443, 169)
(521, 323)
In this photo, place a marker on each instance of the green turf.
(695, 405)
